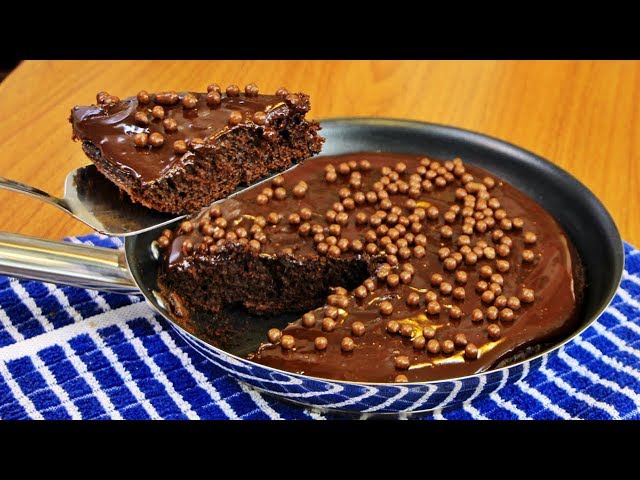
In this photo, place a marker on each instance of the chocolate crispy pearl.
(544, 288)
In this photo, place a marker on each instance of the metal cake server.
(95, 201)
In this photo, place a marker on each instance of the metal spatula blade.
(95, 201)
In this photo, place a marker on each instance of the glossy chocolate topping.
(528, 253)
(112, 127)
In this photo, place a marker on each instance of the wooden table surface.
(583, 115)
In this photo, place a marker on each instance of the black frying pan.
(584, 218)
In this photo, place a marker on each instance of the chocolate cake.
(178, 152)
(401, 268)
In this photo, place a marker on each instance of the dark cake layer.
(177, 153)
(437, 269)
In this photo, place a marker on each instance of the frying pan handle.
(65, 263)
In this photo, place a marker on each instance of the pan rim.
(494, 143)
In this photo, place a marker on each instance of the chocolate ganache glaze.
(464, 269)
(111, 127)
(179, 152)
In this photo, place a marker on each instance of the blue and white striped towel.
(72, 353)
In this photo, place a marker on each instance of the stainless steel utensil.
(98, 203)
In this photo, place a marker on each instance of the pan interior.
(585, 220)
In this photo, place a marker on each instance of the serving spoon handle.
(19, 187)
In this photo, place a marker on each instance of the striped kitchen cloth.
(68, 353)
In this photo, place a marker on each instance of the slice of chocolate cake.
(401, 268)
(178, 152)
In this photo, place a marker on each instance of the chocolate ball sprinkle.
(419, 342)
(527, 295)
(157, 112)
(448, 347)
(358, 329)
(251, 90)
(156, 139)
(492, 313)
(143, 97)
(433, 346)
(280, 193)
(273, 218)
(445, 231)
(282, 92)
(386, 308)
(461, 277)
(433, 308)
(529, 238)
(477, 315)
(233, 91)
(406, 277)
(235, 117)
(428, 332)
(406, 330)
(141, 139)
(500, 301)
(141, 118)
(528, 256)
(189, 101)
(309, 320)
(180, 146)
(446, 288)
(489, 253)
(214, 87)
(170, 125)
(260, 118)
(320, 343)
(493, 330)
(459, 293)
(450, 263)
(292, 100)
(413, 299)
(402, 362)
(503, 265)
(471, 351)
(361, 292)
(513, 303)
(393, 326)
(485, 271)
(488, 296)
(347, 344)
(287, 342)
(213, 98)
(274, 335)
(460, 340)
(506, 315)
(328, 324)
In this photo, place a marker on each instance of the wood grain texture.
(583, 115)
